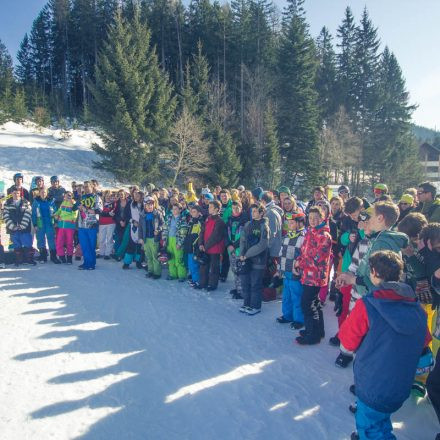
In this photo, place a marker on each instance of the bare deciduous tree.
(188, 156)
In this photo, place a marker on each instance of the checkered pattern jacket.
(290, 250)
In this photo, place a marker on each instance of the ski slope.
(44, 152)
(108, 354)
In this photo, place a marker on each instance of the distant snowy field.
(43, 152)
(108, 354)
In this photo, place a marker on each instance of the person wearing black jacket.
(190, 247)
(234, 227)
(122, 219)
(254, 245)
(18, 185)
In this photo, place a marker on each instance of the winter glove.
(338, 303)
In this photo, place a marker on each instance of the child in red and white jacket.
(314, 264)
(107, 226)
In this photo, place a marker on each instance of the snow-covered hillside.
(44, 152)
(107, 354)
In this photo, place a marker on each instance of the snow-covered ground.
(108, 354)
(44, 152)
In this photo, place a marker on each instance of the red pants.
(346, 296)
(65, 238)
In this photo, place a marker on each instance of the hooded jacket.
(380, 241)
(387, 328)
(314, 261)
(43, 211)
(254, 241)
(275, 216)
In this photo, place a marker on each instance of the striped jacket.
(290, 251)
(19, 215)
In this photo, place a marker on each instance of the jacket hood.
(272, 206)
(402, 315)
(393, 239)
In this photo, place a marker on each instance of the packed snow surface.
(46, 152)
(108, 354)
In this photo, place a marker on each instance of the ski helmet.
(54, 179)
(17, 176)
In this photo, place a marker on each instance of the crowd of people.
(378, 261)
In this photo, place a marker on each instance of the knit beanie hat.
(284, 189)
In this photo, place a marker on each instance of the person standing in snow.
(90, 206)
(150, 230)
(17, 216)
(314, 264)
(289, 253)
(212, 242)
(56, 192)
(254, 242)
(387, 329)
(134, 249)
(43, 211)
(66, 217)
(106, 226)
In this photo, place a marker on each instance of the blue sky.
(410, 28)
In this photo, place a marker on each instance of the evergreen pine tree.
(297, 107)
(272, 160)
(326, 84)
(393, 150)
(226, 165)
(346, 61)
(133, 102)
(18, 106)
(6, 83)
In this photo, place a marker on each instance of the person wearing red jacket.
(314, 265)
(212, 243)
(387, 328)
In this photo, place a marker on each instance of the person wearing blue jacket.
(387, 329)
(90, 206)
(43, 211)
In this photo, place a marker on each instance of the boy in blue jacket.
(387, 329)
(43, 211)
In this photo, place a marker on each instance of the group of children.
(378, 262)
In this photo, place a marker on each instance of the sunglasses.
(419, 193)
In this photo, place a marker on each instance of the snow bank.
(33, 151)
(107, 354)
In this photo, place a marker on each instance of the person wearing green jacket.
(225, 214)
(173, 235)
(382, 217)
(66, 217)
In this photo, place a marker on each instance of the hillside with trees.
(267, 102)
